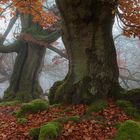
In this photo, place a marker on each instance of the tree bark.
(87, 35)
(24, 83)
(24, 80)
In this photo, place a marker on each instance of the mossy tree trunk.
(87, 35)
(24, 80)
(24, 83)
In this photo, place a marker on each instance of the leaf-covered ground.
(97, 126)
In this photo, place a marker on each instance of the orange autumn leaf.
(32, 7)
(129, 13)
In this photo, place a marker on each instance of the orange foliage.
(129, 13)
(86, 129)
(32, 7)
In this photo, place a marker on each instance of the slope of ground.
(99, 125)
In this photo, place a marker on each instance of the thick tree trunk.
(24, 80)
(87, 35)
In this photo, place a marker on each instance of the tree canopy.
(34, 12)
(33, 7)
(127, 11)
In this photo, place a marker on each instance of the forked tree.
(30, 46)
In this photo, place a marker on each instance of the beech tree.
(30, 48)
(87, 35)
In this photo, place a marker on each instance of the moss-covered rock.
(124, 103)
(34, 133)
(128, 108)
(129, 130)
(97, 106)
(130, 95)
(33, 107)
(50, 130)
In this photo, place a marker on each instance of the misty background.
(55, 68)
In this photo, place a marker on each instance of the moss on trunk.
(87, 35)
(24, 80)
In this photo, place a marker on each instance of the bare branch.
(11, 48)
(124, 82)
(10, 26)
(4, 79)
(129, 78)
(58, 51)
(6, 8)
(29, 38)
(116, 37)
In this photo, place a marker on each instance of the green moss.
(131, 95)
(97, 106)
(117, 126)
(60, 92)
(73, 118)
(9, 95)
(18, 114)
(124, 103)
(67, 110)
(132, 92)
(128, 108)
(50, 130)
(68, 118)
(10, 103)
(60, 120)
(52, 92)
(38, 101)
(55, 105)
(129, 130)
(84, 95)
(33, 107)
(34, 133)
(21, 120)
(132, 111)
(24, 96)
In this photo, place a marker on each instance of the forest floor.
(100, 125)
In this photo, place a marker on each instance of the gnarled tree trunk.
(24, 84)
(87, 35)
(30, 48)
(24, 80)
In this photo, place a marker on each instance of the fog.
(128, 50)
